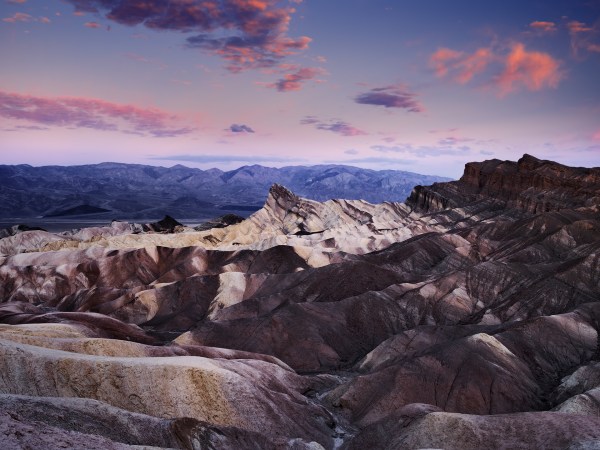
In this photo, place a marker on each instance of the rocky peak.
(295, 214)
(530, 162)
(281, 195)
(289, 214)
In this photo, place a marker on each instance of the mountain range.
(113, 190)
(466, 317)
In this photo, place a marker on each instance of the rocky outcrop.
(253, 395)
(530, 185)
(166, 225)
(58, 422)
(352, 226)
(220, 222)
(16, 229)
(423, 426)
(476, 370)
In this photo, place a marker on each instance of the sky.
(423, 86)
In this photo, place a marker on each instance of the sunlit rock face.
(467, 317)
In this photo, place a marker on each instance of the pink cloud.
(442, 59)
(23, 17)
(533, 70)
(543, 26)
(462, 66)
(18, 17)
(513, 70)
(243, 54)
(247, 34)
(593, 48)
(473, 65)
(16, 1)
(293, 81)
(92, 113)
(596, 136)
(578, 27)
(92, 25)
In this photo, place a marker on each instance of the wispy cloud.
(18, 17)
(583, 38)
(26, 127)
(247, 34)
(454, 140)
(31, 127)
(91, 113)
(24, 17)
(92, 25)
(390, 97)
(423, 151)
(543, 26)
(375, 160)
(294, 80)
(507, 71)
(461, 67)
(333, 125)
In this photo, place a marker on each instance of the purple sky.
(420, 86)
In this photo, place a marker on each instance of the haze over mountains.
(467, 317)
(113, 190)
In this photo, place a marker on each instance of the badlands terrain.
(467, 317)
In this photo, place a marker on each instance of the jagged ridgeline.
(131, 191)
(466, 317)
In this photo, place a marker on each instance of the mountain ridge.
(140, 191)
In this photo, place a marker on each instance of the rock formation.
(467, 317)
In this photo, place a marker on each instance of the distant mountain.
(130, 190)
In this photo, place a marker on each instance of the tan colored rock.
(252, 395)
